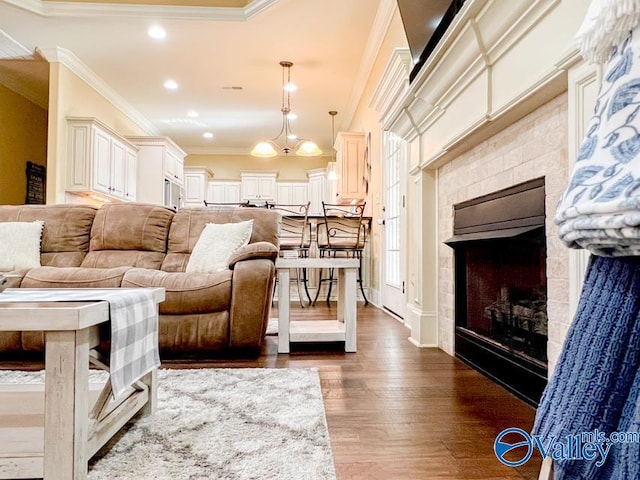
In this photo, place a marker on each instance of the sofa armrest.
(251, 292)
(254, 251)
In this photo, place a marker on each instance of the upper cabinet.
(160, 170)
(292, 193)
(258, 186)
(196, 183)
(100, 160)
(350, 165)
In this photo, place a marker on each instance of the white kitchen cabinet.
(223, 192)
(350, 165)
(316, 190)
(292, 193)
(196, 183)
(160, 171)
(100, 160)
(258, 186)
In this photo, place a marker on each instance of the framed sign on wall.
(36, 179)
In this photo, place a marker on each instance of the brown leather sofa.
(140, 245)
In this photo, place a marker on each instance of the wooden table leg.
(151, 381)
(283, 310)
(350, 309)
(66, 415)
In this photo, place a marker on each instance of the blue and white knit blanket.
(596, 384)
(134, 326)
(600, 209)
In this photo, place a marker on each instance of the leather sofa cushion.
(66, 233)
(78, 277)
(188, 223)
(192, 293)
(129, 234)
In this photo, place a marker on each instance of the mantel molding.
(88, 9)
(497, 62)
(393, 84)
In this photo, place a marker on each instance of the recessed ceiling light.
(171, 85)
(193, 114)
(157, 32)
(207, 135)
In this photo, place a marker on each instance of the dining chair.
(341, 233)
(295, 237)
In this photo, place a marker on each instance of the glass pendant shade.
(308, 149)
(264, 149)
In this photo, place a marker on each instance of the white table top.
(39, 316)
(325, 262)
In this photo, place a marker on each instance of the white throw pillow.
(20, 245)
(216, 244)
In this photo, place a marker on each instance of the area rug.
(222, 424)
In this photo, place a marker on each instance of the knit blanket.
(596, 382)
(600, 209)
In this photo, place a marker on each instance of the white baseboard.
(423, 326)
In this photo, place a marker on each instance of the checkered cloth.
(134, 326)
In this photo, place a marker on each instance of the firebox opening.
(501, 287)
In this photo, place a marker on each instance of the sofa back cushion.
(188, 223)
(129, 234)
(66, 233)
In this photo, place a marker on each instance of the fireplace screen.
(506, 293)
(501, 287)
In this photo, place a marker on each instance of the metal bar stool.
(295, 237)
(341, 233)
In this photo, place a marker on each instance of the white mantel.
(498, 63)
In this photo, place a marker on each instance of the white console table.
(343, 329)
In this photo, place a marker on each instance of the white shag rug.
(221, 424)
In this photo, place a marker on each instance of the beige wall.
(70, 96)
(23, 137)
(228, 167)
(533, 147)
(366, 119)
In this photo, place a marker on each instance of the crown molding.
(78, 9)
(381, 23)
(73, 63)
(10, 49)
(390, 92)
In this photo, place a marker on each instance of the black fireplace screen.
(501, 287)
(505, 297)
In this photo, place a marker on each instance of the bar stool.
(341, 233)
(295, 237)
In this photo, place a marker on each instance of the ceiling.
(230, 43)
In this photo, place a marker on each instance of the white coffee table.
(72, 433)
(343, 329)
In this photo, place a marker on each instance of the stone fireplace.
(500, 286)
(534, 150)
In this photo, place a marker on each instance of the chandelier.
(286, 141)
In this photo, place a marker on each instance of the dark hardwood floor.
(396, 411)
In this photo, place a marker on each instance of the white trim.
(10, 49)
(393, 84)
(73, 63)
(379, 29)
(76, 9)
(424, 327)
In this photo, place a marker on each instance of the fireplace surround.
(500, 287)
